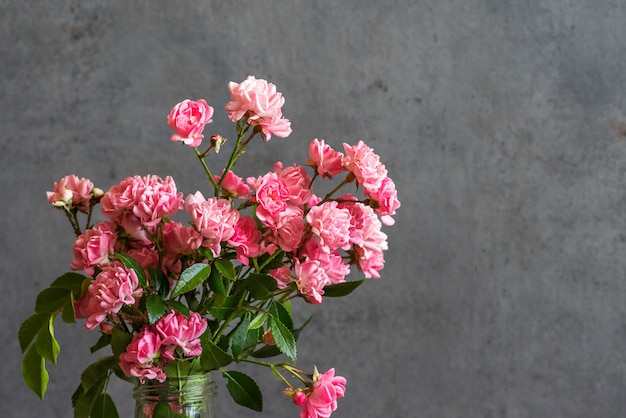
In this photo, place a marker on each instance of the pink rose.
(93, 247)
(331, 224)
(214, 219)
(311, 279)
(262, 104)
(155, 198)
(297, 181)
(330, 261)
(289, 229)
(246, 239)
(386, 198)
(324, 159)
(72, 191)
(176, 330)
(258, 97)
(365, 165)
(271, 195)
(276, 125)
(321, 401)
(188, 119)
(114, 287)
(365, 229)
(282, 276)
(233, 185)
(371, 265)
(141, 357)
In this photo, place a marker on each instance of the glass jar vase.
(182, 397)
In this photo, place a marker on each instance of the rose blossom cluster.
(312, 240)
(154, 346)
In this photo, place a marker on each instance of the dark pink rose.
(176, 330)
(188, 119)
(321, 401)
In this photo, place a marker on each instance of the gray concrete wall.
(503, 124)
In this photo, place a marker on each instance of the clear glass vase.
(184, 397)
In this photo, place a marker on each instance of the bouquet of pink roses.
(175, 299)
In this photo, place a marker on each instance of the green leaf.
(190, 278)
(119, 341)
(258, 321)
(47, 346)
(215, 283)
(97, 371)
(341, 289)
(177, 368)
(159, 280)
(30, 328)
(244, 390)
(34, 371)
(131, 263)
(69, 313)
(155, 307)
(283, 338)
(280, 312)
(178, 307)
(70, 281)
(223, 306)
(213, 357)
(84, 400)
(104, 407)
(103, 341)
(238, 339)
(51, 300)
(226, 268)
(163, 410)
(261, 286)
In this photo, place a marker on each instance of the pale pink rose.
(330, 261)
(386, 198)
(282, 275)
(141, 357)
(365, 165)
(331, 224)
(297, 181)
(324, 159)
(321, 401)
(176, 330)
(93, 247)
(371, 265)
(311, 279)
(275, 125)
(188, 119)
(214, 219)
(365, 229)
(72, 191)
(233, 185)
(180, 240)
(271, 195)
(259, 101)
(289, 229)
(158, 198)
(114, 287)
(258, 97)
(246, 239)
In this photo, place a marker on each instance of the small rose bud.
(268, 338)
(299, 398)
(97, 193)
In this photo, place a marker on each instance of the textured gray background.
(503, 124)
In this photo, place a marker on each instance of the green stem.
(207, 170)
